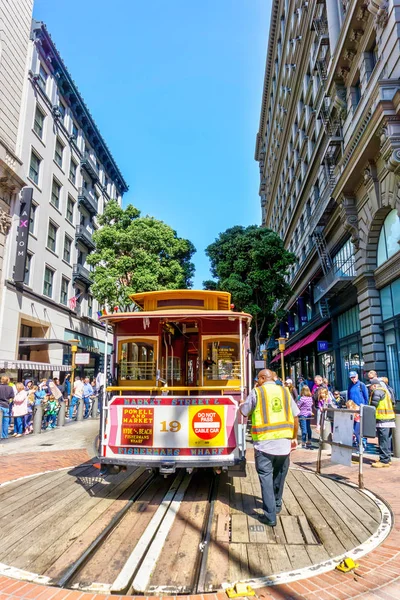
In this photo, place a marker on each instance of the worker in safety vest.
(275, 423)
(385, 421)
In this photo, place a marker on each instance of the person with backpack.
(357, 390)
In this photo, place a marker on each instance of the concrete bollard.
(95, 407)
(37, 418)
(61, 414)
(79, 410)
(396, 434)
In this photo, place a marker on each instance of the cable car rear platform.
(144, 534)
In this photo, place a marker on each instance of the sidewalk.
(378, 576)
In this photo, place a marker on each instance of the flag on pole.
(73, 301)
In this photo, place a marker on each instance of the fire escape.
(332, 126)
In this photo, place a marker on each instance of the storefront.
(348, 348)
(20, 370)
(92, 346)
(390, 302)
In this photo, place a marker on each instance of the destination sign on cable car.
(171, 426)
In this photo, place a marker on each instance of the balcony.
(81, 274)
(84, 236)
(336, 279)
(88, 200)
(90, 166)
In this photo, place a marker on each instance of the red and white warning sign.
(206, 423)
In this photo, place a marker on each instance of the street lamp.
(74, 350)
(282, 343)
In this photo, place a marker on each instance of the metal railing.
(82, 234)
(137, 370)
(221, 371)
(340, 273)
(80, 272)
(88, 200)
(89, 164)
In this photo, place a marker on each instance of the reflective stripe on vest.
(272, 417)
(384, 410)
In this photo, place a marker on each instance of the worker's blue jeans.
(74, 402)
(272, 471)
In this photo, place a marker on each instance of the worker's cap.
(353, 374)
(375, 381)
(288, 380)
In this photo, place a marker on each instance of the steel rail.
(201, 572)
(78, 564)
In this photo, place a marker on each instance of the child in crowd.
(51, 410)
(339, 400)
(356, 430)
(19, 409)
(305, 404)
(28, 425)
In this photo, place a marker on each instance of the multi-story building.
(15, 24)
(73, 176)
(328, 148)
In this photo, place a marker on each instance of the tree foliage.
(251, 263)
(137, 254)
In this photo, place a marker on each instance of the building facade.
(328, 148)
(13, 57)
(73, 175)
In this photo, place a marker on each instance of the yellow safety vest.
(272, 418)
(384, 410)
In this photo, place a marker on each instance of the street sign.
(82, 358)
(322, 346)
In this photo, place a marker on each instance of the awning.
(42, 343)
(32, 366)
(311, 337)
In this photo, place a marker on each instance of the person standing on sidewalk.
(87, 392)
(20, 409)
(275, 423)
(6, 396)
(305, 404)
(385, 421)
(77, 395)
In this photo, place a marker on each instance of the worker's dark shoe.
(263, 519)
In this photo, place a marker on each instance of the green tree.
(251, 263)
(136, 254)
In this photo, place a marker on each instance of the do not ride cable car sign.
(168, 426)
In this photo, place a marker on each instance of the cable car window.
(222, 360)
(136, 361)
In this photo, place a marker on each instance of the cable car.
(182, 364)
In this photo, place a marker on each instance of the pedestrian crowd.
(278, 408)
(313, 397)
(18, 402)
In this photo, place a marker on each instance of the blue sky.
(175, 88)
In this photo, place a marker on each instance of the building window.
(70, 210)
(90, 305)
(32, 219)
(355, 92)
(389, 238)
(42, 80)
(67, 249)
(52, 237)
(64, 291)
(27, 268)
(34, 168)
(390, 300)
(75, 130)
(55, 194)
(48, 282)
(349, 322)
(62, 109)
(343, 261)
(72, 171)
(58, 153)
(39, 122)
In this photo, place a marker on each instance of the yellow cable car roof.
(203, 299)
(176, 315)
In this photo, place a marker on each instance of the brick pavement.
(378, 576)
